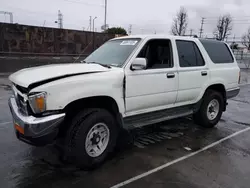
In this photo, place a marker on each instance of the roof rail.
(212, 38)
(195, 36)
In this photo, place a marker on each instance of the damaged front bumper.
(37, 131)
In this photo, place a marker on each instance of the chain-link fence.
(243, 58)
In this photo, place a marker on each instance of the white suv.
(128, 82)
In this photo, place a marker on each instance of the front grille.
(22, 104)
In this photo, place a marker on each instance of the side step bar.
(156, 117)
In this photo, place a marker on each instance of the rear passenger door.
(192, 70)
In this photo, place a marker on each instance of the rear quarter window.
(217, 51)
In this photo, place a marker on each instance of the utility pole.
(60, 19)
(44, 23)
(233, 43)
(202, 23)
(94, 33)
(105, 16)
(94, 24)
(90, 23)
(130, 29)
(191, 32)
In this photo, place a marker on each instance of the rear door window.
(217, 51)
(189, 54)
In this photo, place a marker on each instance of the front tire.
(91, 137)
(210, 110)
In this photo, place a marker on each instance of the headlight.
(38, 102)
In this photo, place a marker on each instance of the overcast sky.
(146, 16)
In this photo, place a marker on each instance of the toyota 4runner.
(128, 82)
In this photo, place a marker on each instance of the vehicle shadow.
(45, 167)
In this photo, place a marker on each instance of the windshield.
(114, 52)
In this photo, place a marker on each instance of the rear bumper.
(33, 130)
(232, 92)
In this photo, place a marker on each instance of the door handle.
(170, 75)
(204, 73)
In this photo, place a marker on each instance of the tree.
(224, 27)
(246, 39)
(180, 22)
(116, 30)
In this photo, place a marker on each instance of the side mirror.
(139, 64)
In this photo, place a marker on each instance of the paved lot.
(224, 164)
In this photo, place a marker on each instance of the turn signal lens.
(38, 102)
(19, 129)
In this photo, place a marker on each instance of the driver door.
(156, 87)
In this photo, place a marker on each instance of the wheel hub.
(213, 109)
(97, 140)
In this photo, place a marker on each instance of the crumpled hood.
(26, 77)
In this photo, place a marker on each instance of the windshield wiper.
(104, 65)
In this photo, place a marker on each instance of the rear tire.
(210, 110)
(90, 139)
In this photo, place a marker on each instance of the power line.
(25, 11)
(246, 23)
(246, 20)
(233, 17)
(84, 3)
(235, 21)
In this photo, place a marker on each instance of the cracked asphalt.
(224, 165)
